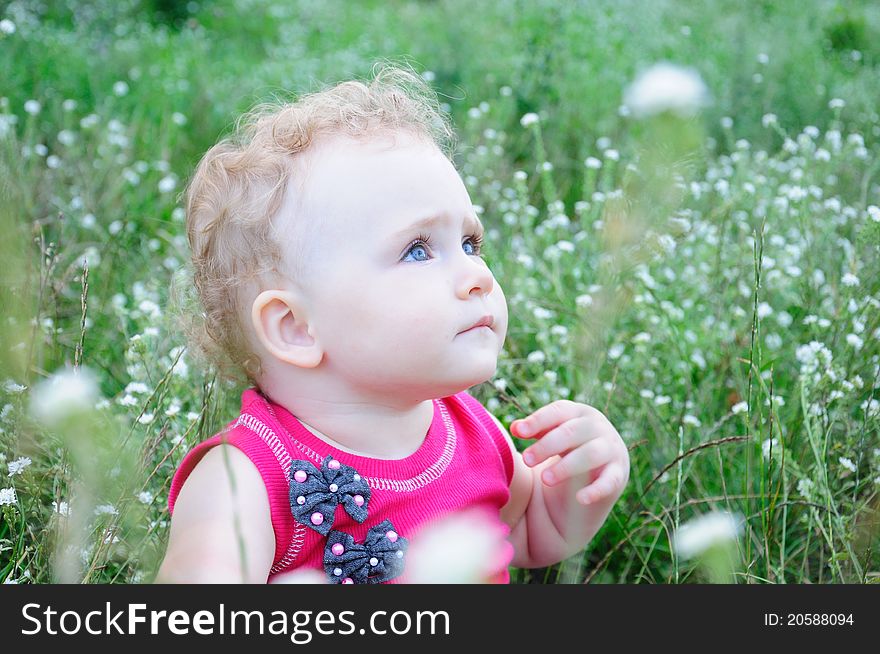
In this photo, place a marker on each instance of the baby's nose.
(477, 278)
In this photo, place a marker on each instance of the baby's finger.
(547, 417)
(612, 480)
(579, 461)
(560, 440)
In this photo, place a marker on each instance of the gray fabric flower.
(314, 494)
(377, 560)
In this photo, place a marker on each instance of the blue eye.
(422, 242)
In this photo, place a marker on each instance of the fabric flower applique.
(377, 560)
(314, 494)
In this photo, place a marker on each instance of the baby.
(338, 260)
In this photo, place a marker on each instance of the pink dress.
(353, 516)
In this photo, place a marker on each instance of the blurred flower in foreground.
(710, 538)
(464, 548)
(66, 392)
(666, 87)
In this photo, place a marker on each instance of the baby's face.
(390, 310)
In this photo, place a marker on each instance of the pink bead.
(317, 518)
(300, 476)
(333, 464)
(359, 500)
(348, 580)
(337, 549)
(392, 536)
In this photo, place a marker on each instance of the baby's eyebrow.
(432, 221)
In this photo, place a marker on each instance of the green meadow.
(710, 281)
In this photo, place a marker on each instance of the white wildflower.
(593, 163)
(847, 463)
(855, 341)
(10, 386)
(18, 465)
(145, 497)
(768, 445)
(739, 407)
(693, 421)
(764, 310)
(32, 107)
(7, 26)
(615, 351)
(7, 496)
(666, 87)
(64, 393)
(529, 119)
(696, 536)
(769, 119)
(167, 184)
(536, 357)
(61, 508)
(106, 509)
(849, 280)
(805, 488)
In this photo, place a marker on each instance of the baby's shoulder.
(222, 503)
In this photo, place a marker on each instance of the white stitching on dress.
(397, 485)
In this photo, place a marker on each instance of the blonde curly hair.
(237, 188)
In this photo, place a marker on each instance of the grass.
(718, 300)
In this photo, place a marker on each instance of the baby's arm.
(547, 523)
(206, 545)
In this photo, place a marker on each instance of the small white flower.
(61, 508)
(646, 393)
(137, 387)
(696, 536)
(145, 497)
(847, 463)
(693, 421)
(615, 351)
(641, 337)
(593, 163)
(520, 175)
(120, 88)
(764, 310)
(855, 341)
(32, 107)
(768, 445)
(836, 103)
(178, 118)
(536, 357)
(611, 155)
(529, 119)
(874, 213)
(7, 26)
(7, 496)
(584, 300)
(146, 418)
(660, 400)
(739, 407)
(106, 509)
(167, 184)
(10, 386)
(66, 137)
(769, 119)
(805, 488)
(17, 466)
(849, 280)
(666, 87)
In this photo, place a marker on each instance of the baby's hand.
(587, 443)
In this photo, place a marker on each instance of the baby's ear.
(281, 325)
